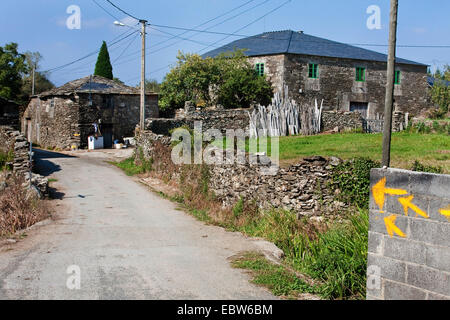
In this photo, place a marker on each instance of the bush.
(227, 79)
(351, 181)
(417, 166)
(19, 209)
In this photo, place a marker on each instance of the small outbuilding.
(66, 116)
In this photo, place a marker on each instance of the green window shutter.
(360, 74)
(260, 69)
(397, 77)
(313, 69)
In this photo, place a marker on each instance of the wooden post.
(389, 102)
(142, 108)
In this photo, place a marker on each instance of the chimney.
(300, 31)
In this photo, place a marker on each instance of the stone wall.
(145, 140)
(13, 140)
(221, 119)
(409, 236)
(339, 121)
(301, 187)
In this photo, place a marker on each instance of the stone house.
(64, 117)
(346, 77)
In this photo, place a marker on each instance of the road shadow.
(46, 154)
(46, 167)
(55, 194)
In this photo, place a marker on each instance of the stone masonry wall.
(301, 187)
(11, 139)
(341, 120)
(409, 236)
(211, 119)
(337, 86)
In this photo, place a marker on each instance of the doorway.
(107, 133)
(361, 107)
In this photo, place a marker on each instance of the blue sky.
(40, 25)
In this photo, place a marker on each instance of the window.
(313, 70)
(397, 77)
(260, 69)
(360, 74)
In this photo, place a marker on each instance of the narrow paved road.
(128, 243)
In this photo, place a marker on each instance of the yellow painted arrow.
(391, 227)
(379, 192)
(407, 204)
(445, 212)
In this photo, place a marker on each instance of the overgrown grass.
(277, 278)
(407, 147)
(336, 257)
(131, 168)
(5, 158)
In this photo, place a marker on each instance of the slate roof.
(93, 84)
(288, 41)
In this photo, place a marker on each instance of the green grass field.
(429, 149)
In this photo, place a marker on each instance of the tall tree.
(41, 81)
(12, 68)
(103, 66)
(229, 80)
(440, 92)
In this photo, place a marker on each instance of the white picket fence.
(284, 117)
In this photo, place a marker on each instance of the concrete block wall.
(409, 251)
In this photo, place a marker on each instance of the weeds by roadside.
(19, 209)
(333, 255)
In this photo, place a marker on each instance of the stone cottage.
(346, 77)
(64, 117)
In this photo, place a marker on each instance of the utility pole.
(389, 102)
(142, 111)
(33, 79)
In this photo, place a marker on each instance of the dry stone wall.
(221, 119)
(13, 140)
(302, 187)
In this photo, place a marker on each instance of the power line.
(132, 40)
(87, 56)
(247, 25)
(110, 14)
(254, 21)
(187, 31)
(123, 11)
